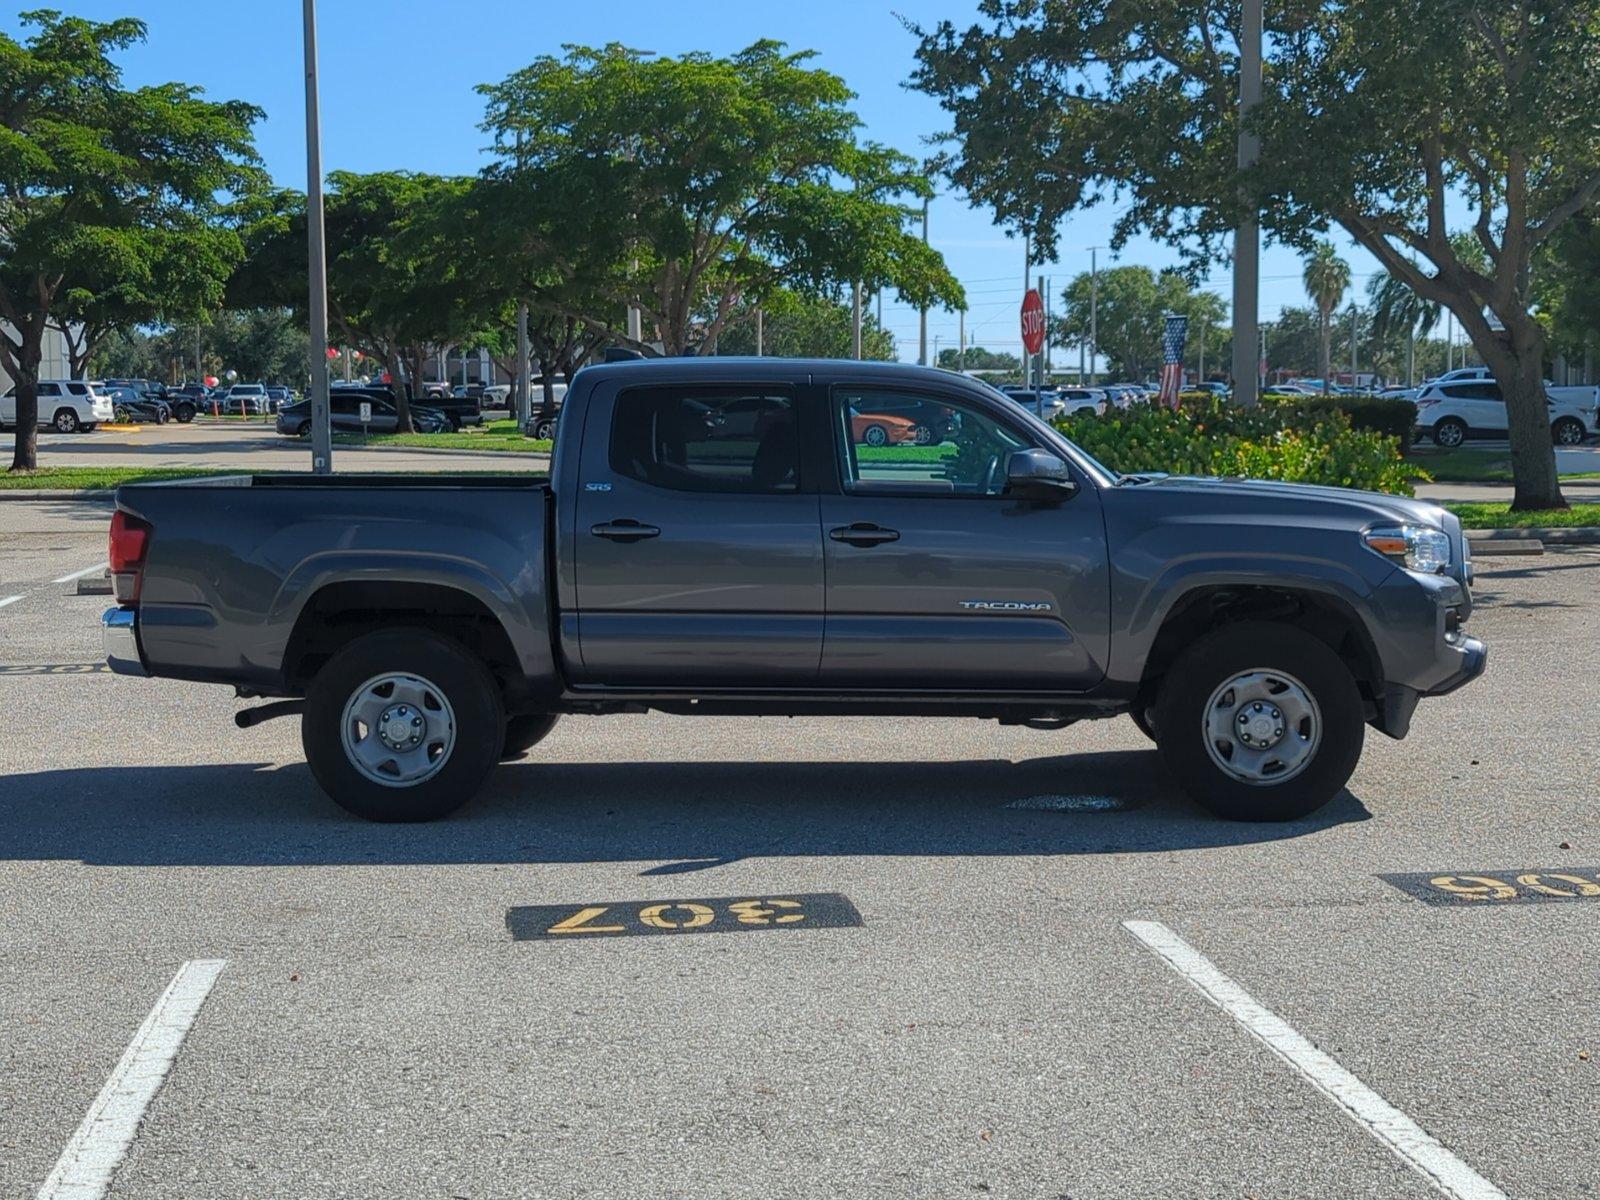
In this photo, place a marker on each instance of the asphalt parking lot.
(989, 1027)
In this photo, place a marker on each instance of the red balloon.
(387, 378)
(357, 355)
(211, 381)
(333, 352)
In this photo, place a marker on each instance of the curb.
(1576, 535)
(100, 494)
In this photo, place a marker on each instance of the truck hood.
(1293, 497)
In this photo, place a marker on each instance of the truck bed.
(236, 562)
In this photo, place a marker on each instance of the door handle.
(864, 533)
(625, 530)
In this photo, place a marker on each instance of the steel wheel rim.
(398, 730)
(1449, 435)
(1262, 727)
(64, 423)
(1570, 433)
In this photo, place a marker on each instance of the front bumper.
(119, 637)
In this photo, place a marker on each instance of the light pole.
(1094, 310)
(855, 321)
(1247, 238)
(922, 321)
(317, 259)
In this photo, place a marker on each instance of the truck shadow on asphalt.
(670, 817)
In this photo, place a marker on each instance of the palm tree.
(1327, 279)
(1396, 307)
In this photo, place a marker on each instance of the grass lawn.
(85, 478)
(1500, 516)
(499, 435)
(1467, 464)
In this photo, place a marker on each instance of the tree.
(383, 298)
(1398, 312)
(110, 195)
(488, 247)
(979, 359)
(1129, 313)
(800, 326)
(1379, 116)
(1327, 279)
(697, 187)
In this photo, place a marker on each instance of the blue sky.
(397, 92)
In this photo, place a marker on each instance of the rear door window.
(707, 440)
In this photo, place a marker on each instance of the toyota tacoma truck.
(722, 537)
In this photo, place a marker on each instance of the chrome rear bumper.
(120, 640)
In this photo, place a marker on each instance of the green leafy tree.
(489, 248)
(979, 359)
(1379, 116)
(1131, 309)
(800, 326)
(1327, 279)
(109, 196)
(383, 297)
(697, 187)
(1399, 313)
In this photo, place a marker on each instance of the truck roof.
(737, 369)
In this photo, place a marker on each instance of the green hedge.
(1211, 437)
(1376, 414)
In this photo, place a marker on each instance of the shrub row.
(1211, 437)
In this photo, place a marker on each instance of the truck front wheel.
(1260, 722)
(402, 725)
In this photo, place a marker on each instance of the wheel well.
(1324, 617)
(342, 612)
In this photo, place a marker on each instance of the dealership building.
(54, 365)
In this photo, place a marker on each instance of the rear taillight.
(130, 540)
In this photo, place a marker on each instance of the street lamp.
(1247, 238)
(317, 255)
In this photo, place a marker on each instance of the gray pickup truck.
(761, 536)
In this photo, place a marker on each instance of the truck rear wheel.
(526, 732)
(1260, 722)
(402, 725)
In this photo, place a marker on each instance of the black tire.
(66, 421)
(1568, 431)
(458, 676)
(875, 435)
(1187, 690)
(303, 429)
(162, 416)
(543, 431)
(184, 413)
(1449, 432)
(526, 732)
(1141, 718)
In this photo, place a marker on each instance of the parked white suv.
(1450, 413)
(65, 405)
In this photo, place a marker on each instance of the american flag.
(1172, 358)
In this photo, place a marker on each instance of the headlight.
(1419, 548)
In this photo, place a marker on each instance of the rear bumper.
(119, 637)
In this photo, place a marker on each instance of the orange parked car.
(886, 429)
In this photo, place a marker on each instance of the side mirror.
(1040, 475)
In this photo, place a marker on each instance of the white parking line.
(9, 600)
(99, 566)
(1413, 1144)
(91, 1158)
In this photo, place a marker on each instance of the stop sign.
(1032, 322)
